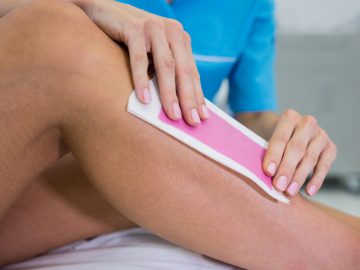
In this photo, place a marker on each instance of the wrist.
(262, 123)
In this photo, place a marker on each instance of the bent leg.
(58, 208)
(180, 195)
(30, 138)
(33, 224)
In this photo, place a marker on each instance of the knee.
(51, 32)
(61, 37)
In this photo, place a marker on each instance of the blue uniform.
(231, 39)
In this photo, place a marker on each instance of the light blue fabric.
(231, 39)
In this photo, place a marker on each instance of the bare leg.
(33, 225)
(59, 207)
(341, 216)
(152, 179)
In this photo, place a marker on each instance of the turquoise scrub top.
(231, 39)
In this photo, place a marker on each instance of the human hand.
(179, 82)
(297, 147)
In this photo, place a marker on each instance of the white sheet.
(134, 249)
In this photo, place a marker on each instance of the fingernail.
(176, 110)
(146, 95)
(271, 168)
(293, 188)
(195, 116)
(205, 111)
(281, 183)
(312, 190)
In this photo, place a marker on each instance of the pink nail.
(205, 111)
(271, 168)
(146, 95)
(312, 190)
(195, 116)
(281, 183)
(293, 188)
(176, 110)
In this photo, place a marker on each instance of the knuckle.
(311, 158)
(297, 146)
(139, 58)
(186, 70)
(128, 35)
(174, 25)
(187, 37)
(168, 97)
(310, 120)
(135, 25)
(280, 140)
(169, 63)
(325, 166)
(187, 98)
(154, 24)
(290, 114)
(323, 135)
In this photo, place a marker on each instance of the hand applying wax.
(170, 46)
(297, 147)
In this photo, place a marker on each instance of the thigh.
(29, 138)
(44, 81)
(45, 48)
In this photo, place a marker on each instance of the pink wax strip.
(220, 138)
(227, 140)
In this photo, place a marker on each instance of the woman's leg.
(152, 179)
(350, 220)
(62, 199)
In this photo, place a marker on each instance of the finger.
(199, 95)
(295, 151)
(139, 67)
(165, 69)
(183, 74)
(322, 168)
(307, 164)
(283, 131)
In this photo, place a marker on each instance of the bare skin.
(33, 224)
(60, 200)
(150, 178)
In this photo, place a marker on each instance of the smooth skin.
(33, 224)
(297, 147)
(71, 89)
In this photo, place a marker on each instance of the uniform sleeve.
(251, 82)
